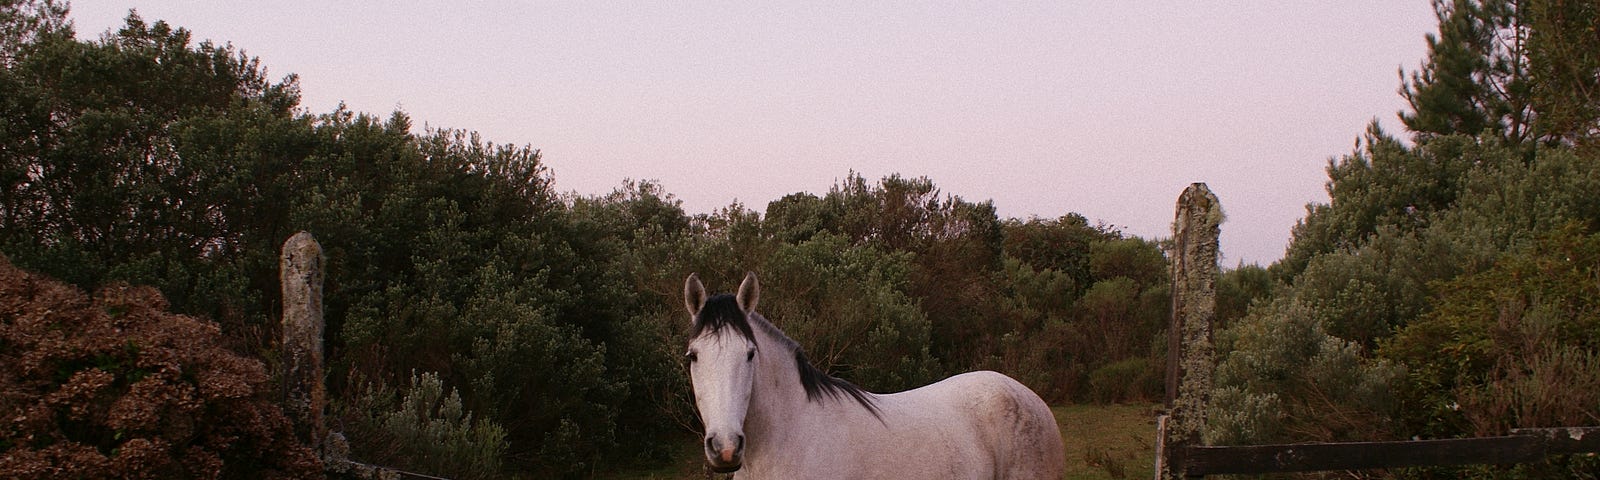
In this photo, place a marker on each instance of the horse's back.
(1012, 426)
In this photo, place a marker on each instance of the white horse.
(769, 413)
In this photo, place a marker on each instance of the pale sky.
(1105, 108)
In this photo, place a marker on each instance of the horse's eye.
(689, 357)
(750, 355)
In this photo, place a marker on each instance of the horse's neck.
(787, 433)
(779, 411)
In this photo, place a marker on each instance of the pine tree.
(1564, 62)
(1475, 79)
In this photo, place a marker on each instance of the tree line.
(1451, 286)
(481, 323)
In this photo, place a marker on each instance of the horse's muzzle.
(724, 457)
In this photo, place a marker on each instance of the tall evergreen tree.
(1475, 79)
(1564, 61)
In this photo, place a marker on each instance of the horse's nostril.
(711, 443)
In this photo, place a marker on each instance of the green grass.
(686, 464)
(1108, 441)
(1102, 442)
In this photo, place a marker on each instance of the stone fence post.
(1195, 233)
(300, 272)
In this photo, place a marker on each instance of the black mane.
(818, 383)
(722, 311)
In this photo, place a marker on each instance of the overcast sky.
(1105, 108)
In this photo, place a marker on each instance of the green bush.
(847, 306)
(1128, 380)
(1515, 346)
(1282, 378)
(426, 431)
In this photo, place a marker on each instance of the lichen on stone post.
(300, 272)
(1195, 232)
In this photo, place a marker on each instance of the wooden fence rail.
(1523, 446)
(1179, 451)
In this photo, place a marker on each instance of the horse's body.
(770, 414)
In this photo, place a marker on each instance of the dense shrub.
(1061, 332)
(848, 306)
(1281, 377)
(425, 430)
(1128, 380)
(1237, 289)
(1515, 346)
(115, 387)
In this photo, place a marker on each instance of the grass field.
(1108, 441)
(1102, 442)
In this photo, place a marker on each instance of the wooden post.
(1194, 304)
(300, 272)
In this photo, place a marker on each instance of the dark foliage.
(115, 387)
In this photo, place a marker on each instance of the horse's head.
(721, 358)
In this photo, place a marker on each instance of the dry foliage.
(115, 387)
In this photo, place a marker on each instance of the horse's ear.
(694, 295)
(749, 293)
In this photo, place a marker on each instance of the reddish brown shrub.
(116, 387)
